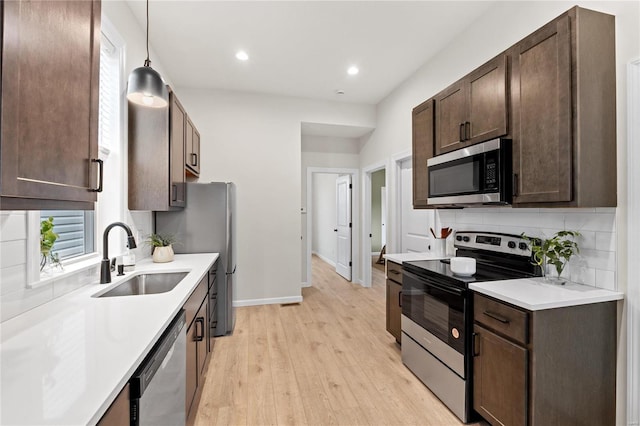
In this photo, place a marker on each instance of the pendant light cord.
(147, 62)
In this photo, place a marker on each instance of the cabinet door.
(177, 143)
(487, 102)
(193, 149)
(422, 123)
(50, 76)
(192, 367)
(451, 114)
(542, 142)
(118, 413)
(394, 310)
(499, 378)
(201, 336)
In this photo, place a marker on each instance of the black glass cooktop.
(441, 270)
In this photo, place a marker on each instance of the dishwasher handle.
(153, 361)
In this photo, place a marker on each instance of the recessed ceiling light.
(242, 55)
(339, 92)
(353, 70)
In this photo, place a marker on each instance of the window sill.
(70, 268)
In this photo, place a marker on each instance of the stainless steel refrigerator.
(207, 224)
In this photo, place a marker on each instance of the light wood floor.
(326, 361)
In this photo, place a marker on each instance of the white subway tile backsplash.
(13, 253)
(13, 226)
(12, 279)
(597, 262)
(606, 279)
(75, 281)
(20, 301)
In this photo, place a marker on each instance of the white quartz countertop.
(408, 257)
(64, 362)
(535, 294)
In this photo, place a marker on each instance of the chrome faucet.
(105, 265)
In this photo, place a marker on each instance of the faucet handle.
(113, 264)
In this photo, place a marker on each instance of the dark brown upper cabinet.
(473, 109)
(422, 141)
(156, 157)
(50, 77)
(193, 149)
(564, 113)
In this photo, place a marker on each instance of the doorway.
(374, 178)
(325, 215)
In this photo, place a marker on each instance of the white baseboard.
(267, 301)
(325, 259)
(305, 284)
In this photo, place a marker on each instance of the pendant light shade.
(145, 86)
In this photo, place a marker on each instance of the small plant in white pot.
(556, 251)
(162, 247)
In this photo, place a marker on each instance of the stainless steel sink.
(146, 284)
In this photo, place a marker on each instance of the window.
(75, 231)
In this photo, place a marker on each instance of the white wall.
(254, 140)
(323, 238)
(499, 28)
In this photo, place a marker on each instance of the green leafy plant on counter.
(47, 240)
(160, 240)
(556, 251)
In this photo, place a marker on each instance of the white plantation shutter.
(109, 94)
(75, 232)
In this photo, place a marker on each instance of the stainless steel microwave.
(478, 174)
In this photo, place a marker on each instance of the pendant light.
(145, 86)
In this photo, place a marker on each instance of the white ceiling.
(302, 48)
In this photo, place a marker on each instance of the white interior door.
(415, 223)
(343, 226)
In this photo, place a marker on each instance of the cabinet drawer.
(504, 319)
(394, 272)
(195, 300)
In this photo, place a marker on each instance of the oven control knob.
(466, 239)
(523, 246)
(458, 238)
(511, 244)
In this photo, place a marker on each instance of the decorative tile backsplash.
(596, 263)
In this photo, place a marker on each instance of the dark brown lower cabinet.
(499, 378)
(118, 413)
(544, 367)
(197, 349)
(394, 302)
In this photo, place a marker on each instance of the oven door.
(437, 307)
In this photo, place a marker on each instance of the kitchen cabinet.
(551, 366)
(198, 334)
(118, 413)
(157, 178)
(422, 143)
(49, 105)
(394, 299)
(193, 149)
(564, 108)
(473, 109)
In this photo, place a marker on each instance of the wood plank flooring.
(326, 361)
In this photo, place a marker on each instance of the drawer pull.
(400, 299)
(496, 317)
(393, 271)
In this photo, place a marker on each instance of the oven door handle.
(431, 283)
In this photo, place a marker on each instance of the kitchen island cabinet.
(49, 97)
(542, 367)
(394, 299)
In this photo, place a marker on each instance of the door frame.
(633, 233)
(355, 215)
(396, 231)
(366, 224)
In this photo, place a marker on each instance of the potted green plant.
(556, 251)
(162, 247)
(47, 240)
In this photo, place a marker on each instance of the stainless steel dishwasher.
(158, 386)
